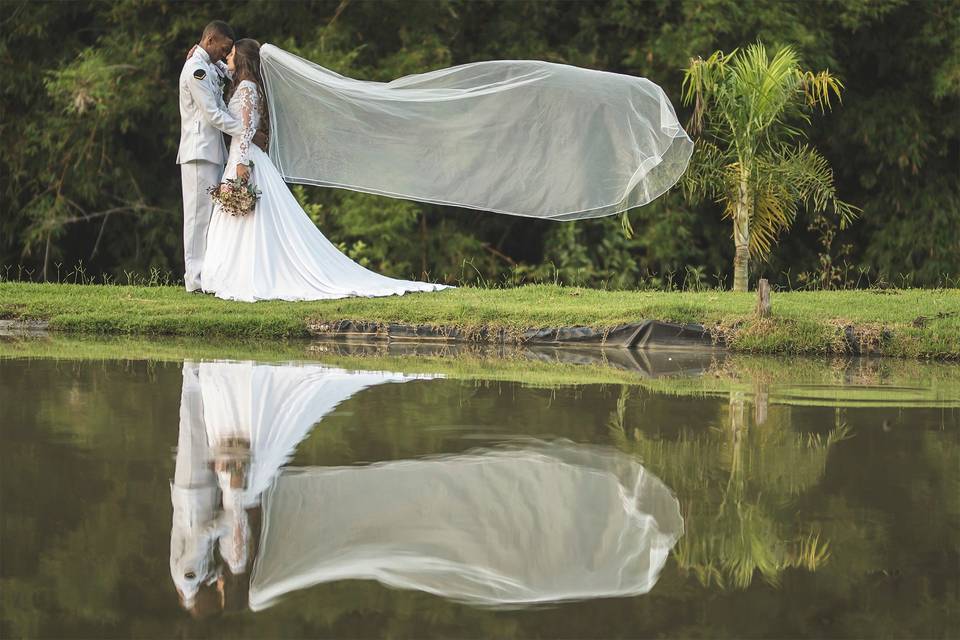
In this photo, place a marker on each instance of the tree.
(746, 106)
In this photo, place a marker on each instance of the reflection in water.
(239, 423)
(528, 523)
(772, 461)
(739, 482)
(537, 523)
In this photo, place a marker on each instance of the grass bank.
(904, 323)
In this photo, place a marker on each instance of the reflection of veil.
(270, 408)
(273, 407)
(533, 522)
(539, 523)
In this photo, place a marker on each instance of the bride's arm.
(247, 95)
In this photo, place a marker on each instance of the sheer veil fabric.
(519, 137)
(278, 253)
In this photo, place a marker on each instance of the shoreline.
(909, 323)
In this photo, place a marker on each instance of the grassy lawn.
(907, 323)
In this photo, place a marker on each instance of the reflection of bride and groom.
(527, 523)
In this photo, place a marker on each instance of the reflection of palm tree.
(733, 482)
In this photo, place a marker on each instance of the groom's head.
(217, 40)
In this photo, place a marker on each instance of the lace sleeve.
(247, 95)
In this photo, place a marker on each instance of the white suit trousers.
(197, 176)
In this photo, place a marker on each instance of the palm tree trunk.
(741, 266)
(741, 237)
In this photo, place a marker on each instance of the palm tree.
(746, 107)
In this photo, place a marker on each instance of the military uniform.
(202, 154)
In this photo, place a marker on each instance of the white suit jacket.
(203, 114)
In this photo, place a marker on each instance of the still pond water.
(177, 491)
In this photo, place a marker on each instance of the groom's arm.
(220, 63)
(202, 94)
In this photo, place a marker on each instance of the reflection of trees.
(736, 483)
(87, 488)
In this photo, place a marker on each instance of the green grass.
(802, 322)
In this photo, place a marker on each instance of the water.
(351, 491)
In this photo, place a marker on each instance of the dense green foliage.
(90, 129)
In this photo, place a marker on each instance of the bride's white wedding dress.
(277, 252)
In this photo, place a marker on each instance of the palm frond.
(770, 84)
(786, 177)
(810, 553)
(773, 213)
(701, 83)
(817, 88)
(706, 175)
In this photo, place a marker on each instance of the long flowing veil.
(519, 137)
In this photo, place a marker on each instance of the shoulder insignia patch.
(199, 74)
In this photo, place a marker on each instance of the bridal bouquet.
(237, 197)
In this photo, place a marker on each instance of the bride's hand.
(243, 172)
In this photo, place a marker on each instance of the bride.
(276, 252)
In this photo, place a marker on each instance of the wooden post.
(763, 299)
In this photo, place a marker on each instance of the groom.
(203, 154)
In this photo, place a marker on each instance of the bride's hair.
(246, 63)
